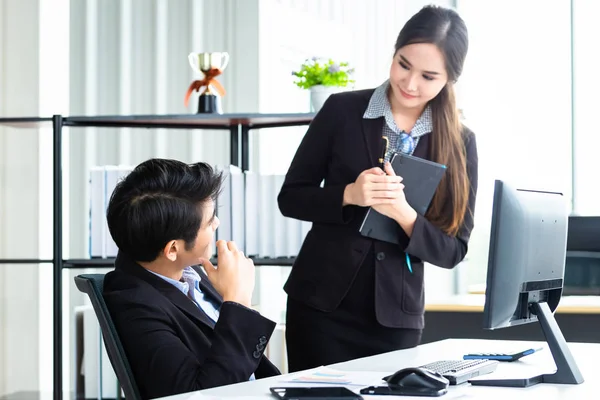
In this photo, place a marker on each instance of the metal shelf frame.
(238, 126)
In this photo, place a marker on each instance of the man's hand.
(234, 277)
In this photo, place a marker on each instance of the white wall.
(19, 179)
(586, 31)
(516, 96)
(32, 77)
(54, 99)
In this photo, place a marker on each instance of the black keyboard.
(460, 371)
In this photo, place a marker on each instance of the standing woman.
(350, 296)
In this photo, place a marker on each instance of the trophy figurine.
(210, 65)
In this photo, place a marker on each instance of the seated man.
(182, 329)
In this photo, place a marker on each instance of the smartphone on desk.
(403, 391)
(314, 393)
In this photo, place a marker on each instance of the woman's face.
(417, 75)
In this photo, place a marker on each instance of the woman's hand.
(374, 187)
(398, 209)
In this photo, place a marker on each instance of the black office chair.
(92, 285)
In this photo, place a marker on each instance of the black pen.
(386, 143)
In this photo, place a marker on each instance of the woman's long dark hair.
(444, 28)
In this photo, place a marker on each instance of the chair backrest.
(93, 285)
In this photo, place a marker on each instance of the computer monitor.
(525, 274)
(584, 232)
(582, 267)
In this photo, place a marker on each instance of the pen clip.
(384, 150)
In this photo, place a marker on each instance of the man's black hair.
(159, 201)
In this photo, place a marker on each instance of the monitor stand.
(567, 371)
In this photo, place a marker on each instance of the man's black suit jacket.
(337, 147)
(172, 346)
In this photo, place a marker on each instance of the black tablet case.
(420, 178)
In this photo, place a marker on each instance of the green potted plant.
(323, 77)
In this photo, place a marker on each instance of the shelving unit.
(75, 263)
(238, 126)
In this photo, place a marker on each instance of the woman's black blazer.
(337, 147)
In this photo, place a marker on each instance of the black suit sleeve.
(167, 366)
(431, 244)
(301, 196)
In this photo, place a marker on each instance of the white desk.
(586, 355)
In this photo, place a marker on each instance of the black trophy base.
(208, 104)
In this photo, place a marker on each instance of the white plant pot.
(320, 93)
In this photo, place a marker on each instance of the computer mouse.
(418, 378)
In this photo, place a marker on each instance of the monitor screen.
(527, 254)
(526, 268)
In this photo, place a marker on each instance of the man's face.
(202, 248)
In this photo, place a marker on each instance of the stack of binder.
(247, 209)
(103, 180)
(249, 215)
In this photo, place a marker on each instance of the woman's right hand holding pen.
(373, 186)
